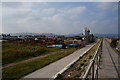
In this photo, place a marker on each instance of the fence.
(92, 72)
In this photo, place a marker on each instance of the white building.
(86, 31)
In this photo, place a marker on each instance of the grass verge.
(13, 52)
(20, 70)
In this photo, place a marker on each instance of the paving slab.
(109, 62)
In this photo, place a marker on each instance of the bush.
(59, 75)
(81, 64)
(75, 76)
(84, 60)
(90, 57)
(85, 65)
(78, 68)
(71, 65)
(80, 57)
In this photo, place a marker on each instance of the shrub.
(75, 76)
(84, 60)
(90, 57)
(71, 65)
(80, 57)
(81, 64)
(78, 68)
(59, 75)
(85, 65)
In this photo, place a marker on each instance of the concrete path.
(52, 69)
(109, 62)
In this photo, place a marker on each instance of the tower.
(86, 33)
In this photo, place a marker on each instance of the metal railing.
(91, 72)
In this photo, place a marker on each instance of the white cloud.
(73, 11)
(48, 11)
(26, 19)
(29, 17)
(11, 11)
(104, 26)
(61, 21)
(76, 10)
(107, 5)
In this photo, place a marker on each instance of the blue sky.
(60, 17)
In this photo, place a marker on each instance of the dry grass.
(12, 52)
(22, 69)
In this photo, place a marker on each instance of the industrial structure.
(87, 37)
(52, 40)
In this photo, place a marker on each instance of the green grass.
(12, 52)
(22, 69)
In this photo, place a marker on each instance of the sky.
(60, 17)
(59, 0)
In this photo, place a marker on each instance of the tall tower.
(86, 31)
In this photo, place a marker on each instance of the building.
(6, 36)
(87, 37)
(86, 31)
